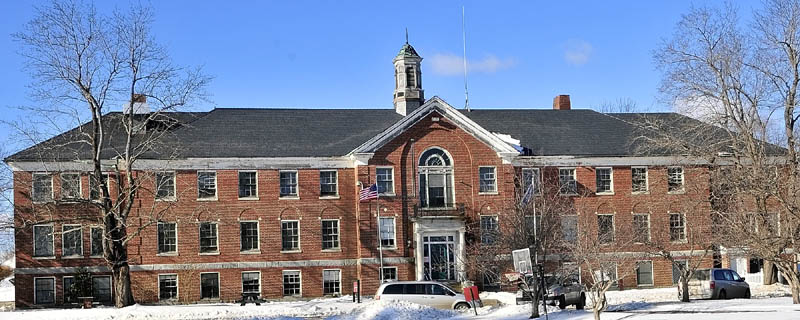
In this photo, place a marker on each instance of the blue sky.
(337, 54)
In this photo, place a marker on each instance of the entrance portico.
(439, 249)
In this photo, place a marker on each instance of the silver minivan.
(427, 293)
(717, 284)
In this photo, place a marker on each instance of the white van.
(427, 293)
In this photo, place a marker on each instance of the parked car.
(427, 293)
(561, 291)
(717, 283)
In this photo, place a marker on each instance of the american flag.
(368, 194)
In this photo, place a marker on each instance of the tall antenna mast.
(464, 38)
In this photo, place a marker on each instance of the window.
(675, 179)
(43, 241)
(251, 282)
(208, 237)
(167, 237)
(70, 186)
(288, 183)
(641, 228)
(209, 285)
(249, 235)
(488, 180)
(101, 289)
(206, 185)
(42, 190)
(328, 186)
(331, 282)
(330, 234)
(389, 274)
(569, 228)
(44, 290)
(94, 186)
(755, 265)
(290, 235)
(291, 284)
(605, 180)
(605, 228)
(566, 181)
(531, 180)
(385, 180)
(410, 77)
(394, 289)
(96, 241)
(387, 232)
(248, 185)
(167, 286)
(165, 184)
(71, 241)
(676, 270)
(644, 273)
(67, 287)
(639, 179)
(677, 227)
(436, 179)
(489, 229)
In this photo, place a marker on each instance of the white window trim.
(177, 286)
(683, 181)
(299, 237)
(110, 284)
(613, 228)
(677, 261)
(99, 190)
(538, 183)
(652, 274)
(102, 243)
(300, 273)
(199, 234)
(296, 185)
(33, 187)
(257, 250)
(685, 234)
(174, 196)
(64, 234)
(394, 232)
(340, 281)
(241, 280)
(496, 220)
(219, 286)
(336, 174)
(52, 256)
(394, 187)
(574, 178)
(649, 238)
(577, 227)
(216, 185)
(495, 181)
(611, 176)
(338, 247)
(80, 186)
(54, 291)
(396, 275)
(170, 253)
(646, 180)
(237, 185)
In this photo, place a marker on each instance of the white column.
(462, 256)
(419, 255)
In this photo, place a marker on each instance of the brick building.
(267, 200)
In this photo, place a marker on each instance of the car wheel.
(747, 294)
(581, 302)
(462, 306)
(562, 303)
(722, 295)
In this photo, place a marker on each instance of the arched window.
(411, 78)
(435, 179)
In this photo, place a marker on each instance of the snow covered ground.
(769, 302)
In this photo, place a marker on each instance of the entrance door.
(439, 257)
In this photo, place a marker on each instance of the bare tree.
(84, 63)
(742, 82)
(621, 105)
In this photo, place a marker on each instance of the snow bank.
(389, 310)
(6, 290)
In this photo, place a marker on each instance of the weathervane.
(406, 35)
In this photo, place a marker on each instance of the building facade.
(266, 201)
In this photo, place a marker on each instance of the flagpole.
(380, 241)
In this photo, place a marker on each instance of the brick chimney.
(561, 102)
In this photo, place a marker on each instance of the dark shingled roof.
(246, 133)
